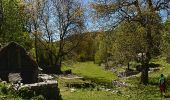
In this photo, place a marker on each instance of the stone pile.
(119, 83)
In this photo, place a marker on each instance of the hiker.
(162, 84)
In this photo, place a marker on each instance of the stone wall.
(48, 89)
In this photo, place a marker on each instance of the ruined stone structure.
(14, 59)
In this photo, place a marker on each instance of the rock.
(113, 70)
(48, 89)
(80, 85)
(4, 82)
(108, 89)
(45, 77)
(119, 84)
(70, 77)
(72, 90)
(154, 69)
(117, 92)
(121, 74)
(103, 65)
(14, 77)
(102, 88)
(119, 65)
(16, 85)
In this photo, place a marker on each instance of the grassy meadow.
(94, 73)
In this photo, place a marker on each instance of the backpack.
(162, 80)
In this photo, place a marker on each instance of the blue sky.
(89, 21)
(85, 1)
(93, 26)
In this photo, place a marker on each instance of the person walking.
(162, 84)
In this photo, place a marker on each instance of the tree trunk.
(58, 59)
(144, 74)
(145, 62)
(128, 66)
(50, 58)
(60, 64)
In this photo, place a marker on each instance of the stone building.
(14, 59)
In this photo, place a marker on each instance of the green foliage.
(86, 49)
(129, 39)
(165, 43)
(98, 58)
(101, 48)
(46, 53)
(26, 93)
(32, 53)
(13, 27)
(4, 89)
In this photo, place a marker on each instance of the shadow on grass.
(154, 81)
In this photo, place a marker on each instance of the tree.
(69, 22)
(128, 43)
(34, 11)
(145, 12)
(101, 48)
(12, 24)
(56, 26)
(165, 44)
(86, 49)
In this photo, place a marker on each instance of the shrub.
(26, 93)
(4, 90)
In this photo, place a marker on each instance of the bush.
(26, 93)
(4, 90)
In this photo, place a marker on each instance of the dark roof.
(14, 56)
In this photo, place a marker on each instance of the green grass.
(92, 72)
(137, 92)
(164, 66)
(84, 94)
(151, 91)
